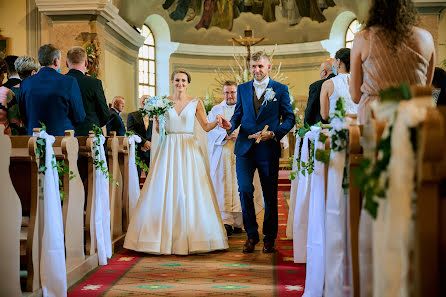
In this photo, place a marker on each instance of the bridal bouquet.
(158, 107)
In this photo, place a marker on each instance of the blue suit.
(53, 99)
(263, 156)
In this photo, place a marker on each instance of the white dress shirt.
(260, 86)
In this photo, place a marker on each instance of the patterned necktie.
(146, 121)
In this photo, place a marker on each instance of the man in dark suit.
(93, 97)
(260, 102)
(141, 126)
(50, 97)
(13, 77)
(442, 97)
(115, 122)
(313, 109)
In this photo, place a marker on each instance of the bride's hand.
(223, 123)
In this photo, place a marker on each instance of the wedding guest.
(50, 97)
(390, 50)
(6, 96)
(338, 86)
(313, 109)
(13, 77)
(439, 74)
(115, 122)
(26, 66)
(141, 126)
(93, 97)
(442, 96)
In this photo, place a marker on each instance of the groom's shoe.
(250, 245)
(268, 247)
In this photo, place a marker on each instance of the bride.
(177, 211)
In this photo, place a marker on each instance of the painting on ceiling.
(221, 13)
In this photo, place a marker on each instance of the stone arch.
(337, 33)
(163, 49)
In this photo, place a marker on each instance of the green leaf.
(323, 155)
(43, 126)
(322, 138)
(292, 175)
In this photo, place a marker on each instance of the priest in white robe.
(222, 164)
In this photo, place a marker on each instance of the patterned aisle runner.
(225, 273)
(290, 276)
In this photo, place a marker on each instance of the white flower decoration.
(269, 96)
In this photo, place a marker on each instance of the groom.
(260, 102)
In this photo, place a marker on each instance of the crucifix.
(247, 42)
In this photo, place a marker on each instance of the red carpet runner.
(290, 276)
(184, 276)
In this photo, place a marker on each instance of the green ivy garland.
(99, 164)
(370, 176)
(62, 167)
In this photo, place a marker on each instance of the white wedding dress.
(177, 211)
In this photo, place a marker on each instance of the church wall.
(120, 79)
(442, 37)
(300, 71)
(13, 26)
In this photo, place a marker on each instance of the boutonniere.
(269, 96)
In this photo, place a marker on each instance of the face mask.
(58, 70)
(335, 71)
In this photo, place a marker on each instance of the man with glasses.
(313, 109)
(222, 164)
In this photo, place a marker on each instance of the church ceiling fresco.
(214, 22)
(221, 13)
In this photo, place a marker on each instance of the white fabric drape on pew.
(314, 280)
(53, 273)
(393, 227)
(335, 226)
(134, 190)
(300, 222)
(293, 191)
(100, 222)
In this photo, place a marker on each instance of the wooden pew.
(23, 171)
(123, 159)
(354, 203)
(116, 191)
(86, 171)
(440, 171)
(430, 155)
(10, 224)
(67, 148)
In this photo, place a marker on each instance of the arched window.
(352, 29)
(146, 81)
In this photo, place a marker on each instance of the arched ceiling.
(135, 13)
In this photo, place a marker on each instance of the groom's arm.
(287, 114)
(236, 118)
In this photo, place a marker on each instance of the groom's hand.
(263, 136)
